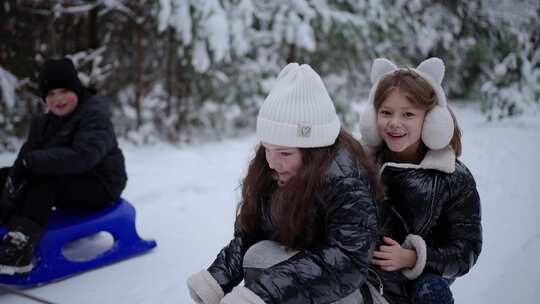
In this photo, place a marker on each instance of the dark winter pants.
(3, 176)
(265, 254)
(4, 202)
(41, 193)
(432, 289)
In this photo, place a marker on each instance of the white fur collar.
(443, 160)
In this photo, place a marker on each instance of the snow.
(164, 14)
(200, 60)
(241, 19)
(186, 200)
(212, 37)
(218, 34)
(8, 84)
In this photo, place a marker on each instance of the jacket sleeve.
(337, 268)
(31, 144)
(32, 139)
(457, 255)
(94, 137)
(227, 269)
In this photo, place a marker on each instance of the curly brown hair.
(292, 203)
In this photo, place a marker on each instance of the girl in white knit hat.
(306, 226)
(431, 214)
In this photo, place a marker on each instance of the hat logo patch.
(304, 131)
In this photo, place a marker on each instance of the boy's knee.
(4, 172)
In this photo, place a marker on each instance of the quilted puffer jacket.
(436, 200)
(336, 266)
(83, 142)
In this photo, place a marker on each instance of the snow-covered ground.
(186, 200)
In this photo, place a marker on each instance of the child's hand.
(392, 257)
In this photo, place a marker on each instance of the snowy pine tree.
(181, 69)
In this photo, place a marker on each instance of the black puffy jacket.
(438, 201)
(335, 267)
(82, 142)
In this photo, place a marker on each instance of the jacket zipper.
(377, 279)
(430, 214)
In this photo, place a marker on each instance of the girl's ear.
(434, 67)
(381, 67)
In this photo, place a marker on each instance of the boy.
(70, 159)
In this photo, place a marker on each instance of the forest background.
(183, 70)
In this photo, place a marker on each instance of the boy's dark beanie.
(59, 74)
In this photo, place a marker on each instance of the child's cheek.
(72, 98)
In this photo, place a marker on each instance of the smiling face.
(285, 161)
(399, 123)
(61, 102)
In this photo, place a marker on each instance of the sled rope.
(23, 294)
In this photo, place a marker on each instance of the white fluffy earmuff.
(438, 125)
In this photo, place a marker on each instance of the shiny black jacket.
(82, 142)
(336, 266)
(443, 209)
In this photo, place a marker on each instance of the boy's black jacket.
(83, 142)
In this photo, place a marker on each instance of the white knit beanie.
(298, 112)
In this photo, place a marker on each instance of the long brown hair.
(418, 92)
(292, 204)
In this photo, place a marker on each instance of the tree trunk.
(183, 105)
(139, 70)
(171, 56)
(92, 29)
(53, 45)
(291, 57)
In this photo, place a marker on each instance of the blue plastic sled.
(64, 227)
